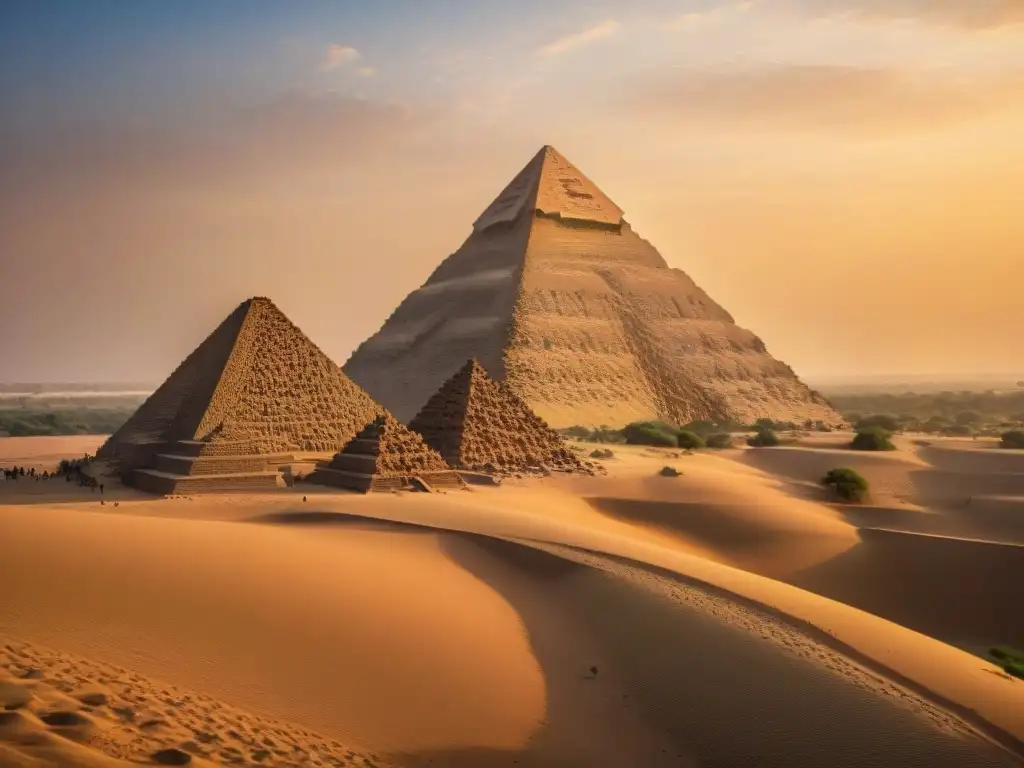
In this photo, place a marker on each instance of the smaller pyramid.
(386, 455)
(478, 426)
(252, 398)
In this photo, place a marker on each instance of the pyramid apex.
(553, 187)
(473, 366)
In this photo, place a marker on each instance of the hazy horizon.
(843, 176)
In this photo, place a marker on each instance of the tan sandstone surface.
(560, 300)
(253, 396)
(618, 620)
(478, 425)
(386, 455)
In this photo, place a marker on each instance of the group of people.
(69, 469)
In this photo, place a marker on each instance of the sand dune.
(365, 636)
(978, 489)
(461, 629)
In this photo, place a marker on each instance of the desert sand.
(732, 616)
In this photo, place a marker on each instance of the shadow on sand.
(674, 679)
(963, 592)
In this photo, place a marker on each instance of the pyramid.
(386, 455)
(255, 395)
(476, 425)
(557, 296)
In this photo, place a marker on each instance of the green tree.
(689, 440)
(872, 439)
(1013, 439)
(849, 484)
(765, 438)
(719, 440)
(654, 433)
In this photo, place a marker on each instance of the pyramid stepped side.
(386, 455)
(477, 426)
(149, 428)
(288, 397)
(463, 310)
(584, 321)
(606, 333)
(442, 419)
(274, 397)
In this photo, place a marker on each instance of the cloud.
(366, 71)
(843, 99)
(967, 14)
(338, 55)
(602, 31)
(295, 132)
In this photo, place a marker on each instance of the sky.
(844, 176)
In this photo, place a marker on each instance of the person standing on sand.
(101, 489)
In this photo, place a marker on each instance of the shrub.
(765, 438)
(602, 453)
(650, 433)
(1012, 439)
(872, 439)
(1010, 659)
(1006, 653)
(578, 432)
(719, 440)
(848, 483)
(669, 472)
(689, 440)
(881, 420)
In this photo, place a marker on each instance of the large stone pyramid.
(476, 425)
(387, 455)
(254, 396)
(562, 302)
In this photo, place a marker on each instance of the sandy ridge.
(130, 717)
(800, 637)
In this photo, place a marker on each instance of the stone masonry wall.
(478, 426)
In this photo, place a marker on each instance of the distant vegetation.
(872, 439)
(28, 422)
(689, 440)
(765, 438)
(849, 484)
(656, 433)
(1010, 659)
(693, 436)
(950, 413)
(1013, 439)
(719, 441)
